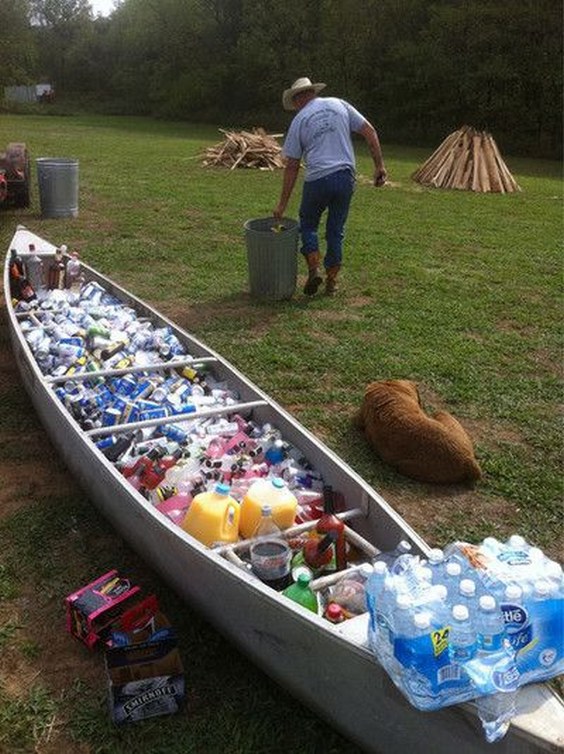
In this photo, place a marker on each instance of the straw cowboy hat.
(299, 85)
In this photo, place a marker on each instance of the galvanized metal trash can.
(57, 179)
(272, 254)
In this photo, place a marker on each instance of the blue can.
(143, 389)
(111, 417)
(153, 413)
(130, 413)
(174, 433)
(106, 442)
(126, 384)
(119, 403)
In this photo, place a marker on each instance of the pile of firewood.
(243, 149)
(469, 160)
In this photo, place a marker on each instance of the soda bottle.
(302, 593)
(319, 553)
(330, 523)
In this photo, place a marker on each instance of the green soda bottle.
(302, 593)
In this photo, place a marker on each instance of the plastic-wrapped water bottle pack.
(474, 622)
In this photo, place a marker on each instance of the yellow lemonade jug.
(213, 516)
(274, 492)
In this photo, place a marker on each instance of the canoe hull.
(325, 666)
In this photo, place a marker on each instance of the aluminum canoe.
(298, 649)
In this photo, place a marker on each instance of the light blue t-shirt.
(320, 133)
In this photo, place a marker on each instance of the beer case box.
(146, 675)
(93, 610)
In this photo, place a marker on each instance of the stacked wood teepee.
(467, 159)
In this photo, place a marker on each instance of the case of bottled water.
(474, 622)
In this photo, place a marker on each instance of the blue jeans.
(332, 193)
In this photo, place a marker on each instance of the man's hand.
(380, 176)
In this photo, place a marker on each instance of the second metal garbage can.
(57, 179)
(272, 254)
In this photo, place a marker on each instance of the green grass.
(459, 291)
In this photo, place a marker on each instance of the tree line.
(418, 69)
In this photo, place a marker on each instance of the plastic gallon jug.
(213, 516)
(273, 492)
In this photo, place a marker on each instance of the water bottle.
(388, 556)
(436, 562)
(462, 636)
(467, 594)
(266, 525)
(453, 571)
(490, 626)
(402, 624)
(384, 621)
(374, 588)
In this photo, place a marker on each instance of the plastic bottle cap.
(487, 602)
(422, 620)
(366, 570)
(404, 546)
(542, 588)
(380, 567)
(467, 587)
(460, 612)
(513, 592)
(278, 482)
(440, 591)
(515, 540)
(304, 579)
(425, 574)
(266, 510)
(334, 610)
(403, 601)
(453, 569)
(435, 556)
(222, 489)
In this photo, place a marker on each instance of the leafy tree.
(18, 50)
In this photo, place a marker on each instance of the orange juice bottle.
(213, 516)
(274, 492)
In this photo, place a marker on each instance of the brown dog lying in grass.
(428, 448)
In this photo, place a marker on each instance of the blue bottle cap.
(278, 482)
(222, 489)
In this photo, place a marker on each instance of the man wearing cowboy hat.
(321, 135)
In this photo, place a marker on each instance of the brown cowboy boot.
(314, 278)
(331, 286)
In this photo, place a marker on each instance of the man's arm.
(290, 174)
(371, 137)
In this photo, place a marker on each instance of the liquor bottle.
(330, 523)
(56, 272)
(73, 275)
(35, 270)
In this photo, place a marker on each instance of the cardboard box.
(144, 669)
(94, 610)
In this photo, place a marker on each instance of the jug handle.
(229, 518)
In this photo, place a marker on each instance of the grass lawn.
(460, 292)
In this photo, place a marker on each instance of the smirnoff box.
(145, 672)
